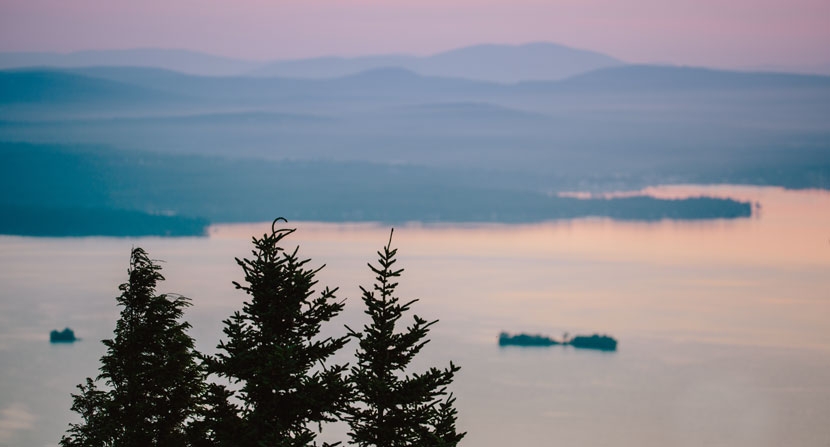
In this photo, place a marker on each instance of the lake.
(722, 325)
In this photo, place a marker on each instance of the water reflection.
(757, 281)
(722, 324)
(789, 227)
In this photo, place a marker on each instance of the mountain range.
(184, 61)
(381, 85)
(369, 141)
(605, 125)
(495, 63)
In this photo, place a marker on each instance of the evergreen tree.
(273, 351)
(218, 423)
(392, 407)
(153, 380)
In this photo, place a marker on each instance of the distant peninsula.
(54, 190)
(595, 341)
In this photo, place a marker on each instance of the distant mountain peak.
(503, 63)
(528, 46)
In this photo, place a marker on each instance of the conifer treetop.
(273, 350)
(393, 407)
(152, 380)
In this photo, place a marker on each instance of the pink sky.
(720, 33)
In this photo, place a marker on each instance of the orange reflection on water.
(763, 280)
(788, 228)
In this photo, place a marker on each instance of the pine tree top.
(395, 407)
(150, 369)
(272, 347)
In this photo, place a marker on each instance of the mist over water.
(722, 324)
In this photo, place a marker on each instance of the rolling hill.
(611, 128)
(492, 63)
(184, 61)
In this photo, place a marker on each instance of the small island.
(596, 341)
(64, 336)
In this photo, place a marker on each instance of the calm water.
(723, 325)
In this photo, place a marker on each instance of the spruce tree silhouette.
(274, 354)
(153, 380)
(394, 408)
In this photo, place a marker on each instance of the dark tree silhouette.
(153, 380)
(394, 408)
(273, 351)
(218, 423)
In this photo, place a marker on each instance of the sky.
(714, 33)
